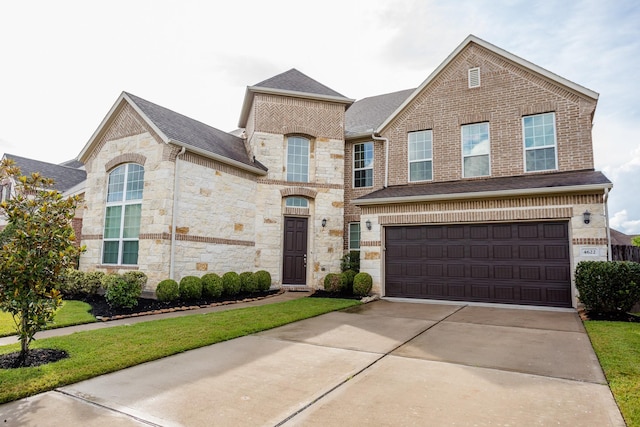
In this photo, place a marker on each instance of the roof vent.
(474, 77)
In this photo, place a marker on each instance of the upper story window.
(5, 191)
(297, 159)
(354, 236)
(122, 216)
(363, 165)
(420, 156)
(296, 202)
(475, 150)
(540, 142)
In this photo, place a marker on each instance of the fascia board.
(219, 158)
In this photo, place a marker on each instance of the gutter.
(386, 156)
(605, 200)
(174, 214)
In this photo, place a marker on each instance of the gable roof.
(290, 83)
(365, 115)
(178, 129)
(500, 52)
(65, 177)
(619, 238)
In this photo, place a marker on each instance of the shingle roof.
(619, 238)
(294, 80)
(73, 163)
(365, 115)
(190, 132)
(65, 177)
(502, 184)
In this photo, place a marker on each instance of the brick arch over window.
(298, 130)
(298, 191)
(125, 158)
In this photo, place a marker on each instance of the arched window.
(296, 202)
(122, 216)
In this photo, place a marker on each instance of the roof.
(498, 51)
(290, 83)
(489, 187)
(619, 238)
(65, 177)
(365, 115)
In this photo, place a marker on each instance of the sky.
(64, 63)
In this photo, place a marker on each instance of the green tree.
(37, 248)
(635, 241)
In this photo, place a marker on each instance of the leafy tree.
(635, 241)
(37, 248)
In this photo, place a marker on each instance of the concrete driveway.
(383, 364)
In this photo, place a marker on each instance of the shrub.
(362, 284)
(351, 261)
(608, 287)
(137, 277)
(71, 285)
(168, 290)
(120, 292)
(190, 288)
(263, 279)
(347, 279)
(231, 283)
(248, 282)
(211, 285)
(333, 282)
(93, 281)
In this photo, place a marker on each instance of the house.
(477, 185)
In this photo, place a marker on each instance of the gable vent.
(474, 77)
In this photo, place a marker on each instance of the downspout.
(386, 157)
(174, 214)
(605, 199)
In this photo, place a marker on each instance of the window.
(420, 156)
(363, 165)
(539, 142)
(296, 202)
(354, 236)
(122, 217)
(5, 191)
(475, 150)
(297, 159)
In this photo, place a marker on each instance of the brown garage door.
(519, 263)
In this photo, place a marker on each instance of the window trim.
(359, 234)
(409, 161)
(466, 156)
(353, 164)
(471, 73)
(555, 143)
(308, 141)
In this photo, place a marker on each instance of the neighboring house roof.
(498, 51)
(365, 115)
(290, 83)
(489, 187)
(73, 163)
(619, 238)
(65, 177)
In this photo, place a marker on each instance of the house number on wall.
(589, 251)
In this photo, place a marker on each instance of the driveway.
(383, 364)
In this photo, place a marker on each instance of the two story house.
(478, 185)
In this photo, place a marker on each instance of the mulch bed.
(35, 357)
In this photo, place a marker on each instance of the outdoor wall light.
(368, 224)
(324, 222)
(586, 217)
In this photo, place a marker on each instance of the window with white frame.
(540, 142)
(122, 216)
(420, 156)
(354, 236)
(297, 159)
(475, 150)
(296, 202)
(363, 165)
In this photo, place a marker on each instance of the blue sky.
(64, 63)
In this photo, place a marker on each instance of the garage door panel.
(519, 263)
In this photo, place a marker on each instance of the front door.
(295, 251)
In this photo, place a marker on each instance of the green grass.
(71, 313)
(94, 353)
(617, 345)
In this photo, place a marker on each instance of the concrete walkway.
(380, 364)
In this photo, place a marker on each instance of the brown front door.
(294, 270)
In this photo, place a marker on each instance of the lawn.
(71, 313)
(617, 345)
(97, 352)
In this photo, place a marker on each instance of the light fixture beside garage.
(586, 217)
(368, 224)
(324, 222)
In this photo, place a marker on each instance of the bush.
(211, 285)
(362, 284)
(80, 284)
(347, 279)
(137, 277)
(120, 292)
(351, 261)
(93, 281)
(263, 279)
(333, 282)
(231, 283)
(248, 282)
(168, 290)
(190, 288)
(608, 287)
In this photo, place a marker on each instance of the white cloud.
(621, 222)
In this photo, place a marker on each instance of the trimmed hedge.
(608, 287)
(168, 290)
(248, 282)
(362, 284)
(120, 291)
(333, 282)
(80, 284)
(231, 283)
(263, 279)
(211, 285)
(190, 288)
